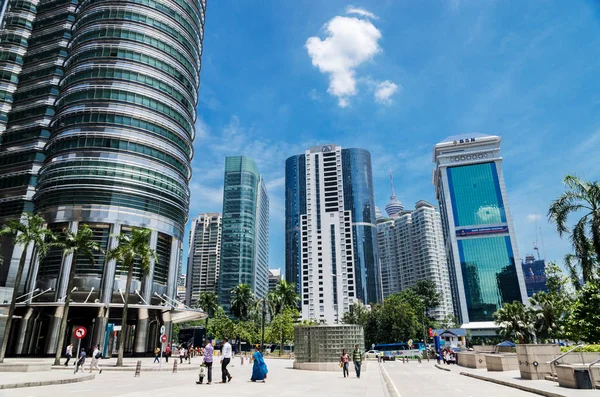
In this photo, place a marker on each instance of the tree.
(220, 325)
(208, 302)
(584, 315)
(28, 230)
(242, 300)
(581, 197)
(131, 248)
(282, 327)
(286, 295)
(75, 244)
(450, 321)
(357, 315)
(514, 319)
(428, 293)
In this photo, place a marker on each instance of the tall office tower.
(274, 278)
(411, 248)
(478, 228)
(331, 235)
(534, 272)
(97, 117)
(204, 256)
(245, 237)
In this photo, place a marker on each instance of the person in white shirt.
(225, 359)
(69, 354)
(95, 358)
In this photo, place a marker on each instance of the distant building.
(410, 249)
(478, 229)
(534, 272)
(331, 232)
(181, 295)
(274, 278)
(394, 206)
(204, 256)
(245, 237)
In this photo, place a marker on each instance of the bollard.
(138, 368)
(175, 366)
(242, 359)
(419, 358)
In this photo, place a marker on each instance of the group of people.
(357, 357)
(259, 369)
(447, 355)
(80, 361)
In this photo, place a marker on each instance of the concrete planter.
(533, 360)
(502, 362)
(471, 359)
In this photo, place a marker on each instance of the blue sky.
(396, 77)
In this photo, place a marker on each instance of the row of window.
(128, 121)
(17, 180)
(103, 72)
(21, 135)
(43, 110)
(8, 55)
(130, 97)
(51, 37)
(112, 143)
(20, 157)
(26, 5)
(41, 91)
(63, 17)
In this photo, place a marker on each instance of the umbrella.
(506, 343)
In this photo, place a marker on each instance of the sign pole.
(77, 355)
(162, 345)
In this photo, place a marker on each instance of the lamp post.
(262, 326)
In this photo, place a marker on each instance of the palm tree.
(242, 299)
(28, 230)
(131, 247)
(515, 319)
(208, 302)
(287, 296)
(581, 197)
(549, 312)
(75, 244)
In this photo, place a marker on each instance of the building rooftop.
(466, 135)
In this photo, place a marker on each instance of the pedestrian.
(259, 368)
(381, 357)
(167, 353)
(345, 362)
(156, 355)
(190, 354)
(357, 358)
(182, 351)
(81, 361)
(225, 359)
(96, 355)
(68, 354)
(208, 361)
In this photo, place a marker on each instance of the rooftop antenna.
(535, 243)
(543, 248)
(392, 184)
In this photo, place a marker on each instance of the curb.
(513, 385)
(47, 382)
(391, 388)
(132, 369)
(443, 369)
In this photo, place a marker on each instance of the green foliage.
(248, 331)
(282, 322)
(514, 319)
(584, 315)
(208, 302)
(242, 300)
(584, 349)
(220, 325)
(426, 290)
(450, 321)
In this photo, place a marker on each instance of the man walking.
(225, 375)
(167, 353)
(208, 360)
(81, 361)
(69, 354)
(357, 358)
(95, 358)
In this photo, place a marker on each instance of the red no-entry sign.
(80, 332)
(163, 338)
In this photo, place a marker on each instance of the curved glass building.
(118, 146)
(331, 232)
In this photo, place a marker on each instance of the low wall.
(328, 367)
(565, 374)
(25, 367)
(471, 360)
(502, 362)
(533, 360)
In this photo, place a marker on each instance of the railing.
(591, 374)
(553, 362)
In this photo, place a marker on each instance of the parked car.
(372, 354)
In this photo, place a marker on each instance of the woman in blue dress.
(259, 369)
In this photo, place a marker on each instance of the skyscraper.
(274, 278)
(478, 229)
(204, 256)
(394, 206)
(245, 236)
(331, 235)
(97, 123)
(411, 248)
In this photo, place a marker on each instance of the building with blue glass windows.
(477, 224)
(331, 231)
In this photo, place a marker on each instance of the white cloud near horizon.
(350, 42)
(360, 11)
(384, 92)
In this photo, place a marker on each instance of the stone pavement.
(11, 380)
(282, 381)
(513, 379)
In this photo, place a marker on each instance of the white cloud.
(349, 43)
(276, 183)
(533, 217)
(360, 11)
(384, 92)
(202, 130)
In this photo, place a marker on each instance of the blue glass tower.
(478, 229)
(331, 233)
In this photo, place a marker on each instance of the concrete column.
(22, 334)
(53, 330)
(63, 282)
(100, 328)
(33, 272)
(141, 332)
(110, 267)
(173, 265)
(166, 317)
(149, 278)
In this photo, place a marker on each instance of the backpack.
(98, 355)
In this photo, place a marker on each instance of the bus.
(399, 349)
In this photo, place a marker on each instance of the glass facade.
(476, 195)
(244, 238)
(359, 199)
(295, 207)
